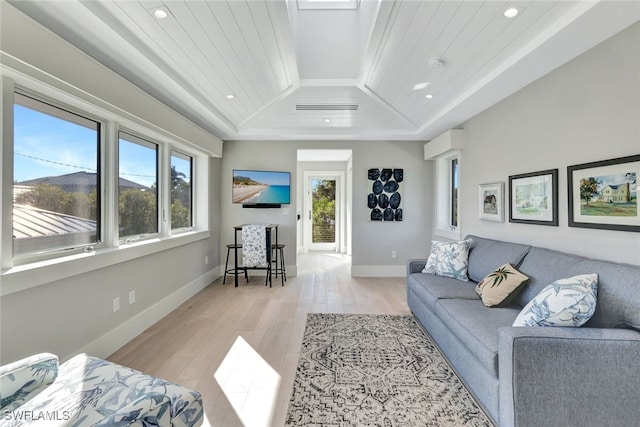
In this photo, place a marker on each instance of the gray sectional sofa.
(537, 376)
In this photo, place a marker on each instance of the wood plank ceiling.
(273, 55)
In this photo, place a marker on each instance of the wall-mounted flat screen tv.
(253, 188)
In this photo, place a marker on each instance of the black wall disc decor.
(385, 199)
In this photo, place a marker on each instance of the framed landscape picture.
(604, 194)
(491, 201)
(534, 198)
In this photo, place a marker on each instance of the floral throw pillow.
(449, 259)
(565, 302)
(500, 286)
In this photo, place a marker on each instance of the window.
(137, 187)
(453, 185)
(445, 151)
(56, 178)
(328, 4)
(181, 191)
(84, 179)
(447, 195)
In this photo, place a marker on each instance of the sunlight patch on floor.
(249, 383)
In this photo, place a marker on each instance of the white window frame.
(18, 274)
(134, 138)
(443, 226)
(61, 251)
(168, 209)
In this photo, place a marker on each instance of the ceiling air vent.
(327, 107)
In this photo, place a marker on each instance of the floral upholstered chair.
(87, 391)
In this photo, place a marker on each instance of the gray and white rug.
(376, 370)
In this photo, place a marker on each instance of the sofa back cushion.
(618, 303)
(486, 255)
(545, 266)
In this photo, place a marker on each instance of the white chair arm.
(25, 378)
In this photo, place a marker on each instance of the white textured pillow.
(449, 259)
(565, 302)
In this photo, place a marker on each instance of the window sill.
(27, 276)
(447, 234)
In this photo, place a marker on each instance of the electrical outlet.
(206, 260)
(116, 304)
(132, 297)
(393, 254)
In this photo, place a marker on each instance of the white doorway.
(324, 213)
(328, 170)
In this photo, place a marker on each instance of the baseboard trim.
(378, 271)
(107, 344)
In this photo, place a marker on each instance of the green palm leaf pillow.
(500, 286)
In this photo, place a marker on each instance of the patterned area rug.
(376, 370)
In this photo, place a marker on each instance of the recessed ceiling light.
(421, 86)
(230, 96)
(428, 96)
(160, 13)
(511, 12)
(327, 120)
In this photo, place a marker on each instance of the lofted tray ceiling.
(360, 69)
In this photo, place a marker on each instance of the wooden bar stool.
(278, 249)
(227, 270)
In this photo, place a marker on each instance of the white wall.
(587, 110)
(411, 238)
(75, 313)
(372, 242)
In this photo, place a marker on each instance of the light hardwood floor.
(239, 347)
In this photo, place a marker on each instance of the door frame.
(339, 243)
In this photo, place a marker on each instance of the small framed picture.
(533, 198)
(604, 194)
(491, 201)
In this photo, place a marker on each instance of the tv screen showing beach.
(261, 187)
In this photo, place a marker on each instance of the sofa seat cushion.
(430, 288)
(94, 392)
(476, 326)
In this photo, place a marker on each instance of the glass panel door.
(323, 210)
